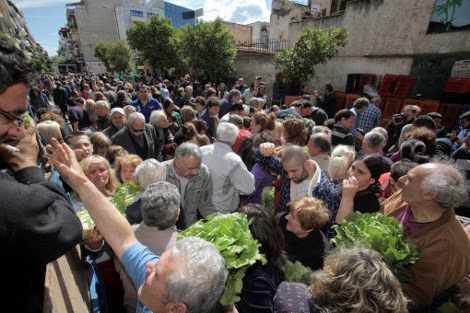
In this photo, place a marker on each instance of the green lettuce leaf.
(382, 233)
(231, 235)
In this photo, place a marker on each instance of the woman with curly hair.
(295, 132)
(353, 279)
(125, 167)
(357, 280)
(305, 242)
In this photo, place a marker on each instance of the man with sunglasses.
(37, 222)
(138, 137)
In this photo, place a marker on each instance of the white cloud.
(237, 11)
(24, 4)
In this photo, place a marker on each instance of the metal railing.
(261, 47)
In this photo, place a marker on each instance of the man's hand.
(28, 153)
(64, 160)
(267, 149)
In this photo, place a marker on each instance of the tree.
(40, 60)
(156, 42)
(313, 46)
(209, 48)
(116, 56)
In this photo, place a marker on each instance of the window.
(149, 15)
(137, 13)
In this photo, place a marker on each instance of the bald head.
(319, 143)
(436, 183)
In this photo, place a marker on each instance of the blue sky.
(46, 17)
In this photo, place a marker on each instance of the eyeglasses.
(137, 131)
(13, 118)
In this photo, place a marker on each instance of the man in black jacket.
(139, 138)
(37, 221)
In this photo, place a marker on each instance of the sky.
(46, 17)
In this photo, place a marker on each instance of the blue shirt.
(146, 109)
(134, 260)
(370, 118)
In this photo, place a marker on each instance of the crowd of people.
(194, 150)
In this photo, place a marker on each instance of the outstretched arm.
(112, 224)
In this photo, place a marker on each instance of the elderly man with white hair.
(230, 177)
(138, 137)
(373, 143)
(157, 231)
(431, 192)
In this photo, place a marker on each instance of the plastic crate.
(429, 106)
(457, 85)
(392, 106)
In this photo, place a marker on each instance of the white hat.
(114, 110)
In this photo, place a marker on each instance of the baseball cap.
(114, 110)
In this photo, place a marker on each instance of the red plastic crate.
(289, 99)
(429, 106)
(457, 85)
(388, 84)
(404, 86)
(392, 106)
(350, 98)
(340, 100)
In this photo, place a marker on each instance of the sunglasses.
(137, 131)
(13, 118)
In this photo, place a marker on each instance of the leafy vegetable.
(267, 198)
(231, 235)
(27, 120)
(382, 233)
(87, 223)
(296, 272)
(124, 196)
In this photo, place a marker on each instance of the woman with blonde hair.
(101, 143)
(305, 242)
(50, 129)
(341, 160)
(125, 167)
(99, 172)
(90, 107)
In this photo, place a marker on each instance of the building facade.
(91, 22)
(13, 25)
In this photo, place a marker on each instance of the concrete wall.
(383, 38)
(241, 33)
(262, 66)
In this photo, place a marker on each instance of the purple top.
(263, 178)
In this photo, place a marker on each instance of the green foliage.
(155, 40)
(116, 56)
(446, 11)
(296, 272)
(382, 233)
(209, 49)
(40, 60)
(449, 307)
(267, 198)
(312, 47)
(231, 235)
(124, 196)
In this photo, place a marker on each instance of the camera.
(258, 77)
(399, 117)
